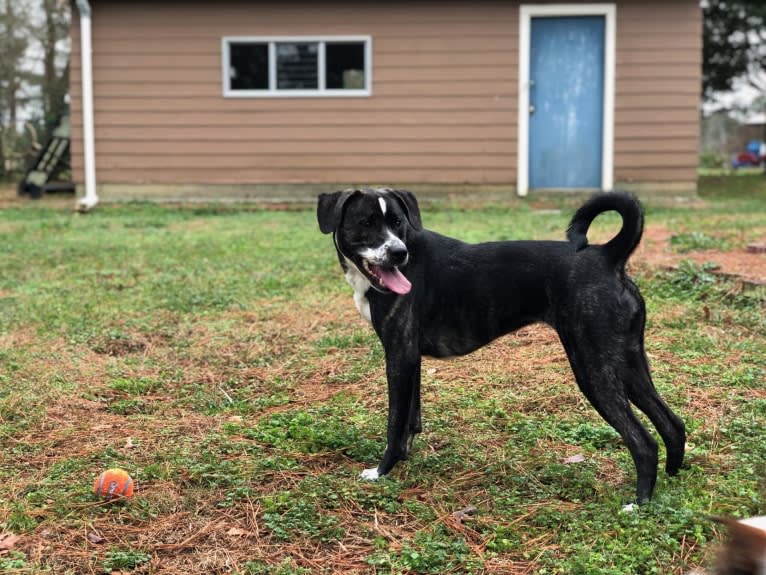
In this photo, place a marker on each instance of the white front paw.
(629, 508)
(370, 474)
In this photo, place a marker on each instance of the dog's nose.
(397, 254)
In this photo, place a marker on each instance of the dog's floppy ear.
(330, 209)
(410, 204)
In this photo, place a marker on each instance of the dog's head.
(370, 228)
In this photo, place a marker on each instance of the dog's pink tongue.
(394, 280)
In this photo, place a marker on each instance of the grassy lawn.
(215, 353)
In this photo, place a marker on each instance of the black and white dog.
(427, 294)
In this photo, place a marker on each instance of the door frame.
(526, 13)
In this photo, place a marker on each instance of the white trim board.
(526, 13)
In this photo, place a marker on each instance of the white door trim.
(526, 13)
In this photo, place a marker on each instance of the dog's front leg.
(403, 373)
(415, 424)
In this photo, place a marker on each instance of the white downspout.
(90, 199)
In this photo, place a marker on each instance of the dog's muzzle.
(397, 255)
(383, 266)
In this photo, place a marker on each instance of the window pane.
(344, 66)
(297, 66)
(249, 66)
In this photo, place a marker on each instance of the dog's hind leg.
(642, 394)
(641, 390)
(599, 376)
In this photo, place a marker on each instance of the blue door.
(566, 96)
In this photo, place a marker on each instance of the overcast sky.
(742, 97)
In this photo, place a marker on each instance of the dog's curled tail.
(619, 248)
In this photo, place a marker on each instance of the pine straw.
(189, 532)
(192, 534)
(215, 541)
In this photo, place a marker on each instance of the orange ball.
(113, 484)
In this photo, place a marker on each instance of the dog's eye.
(397, 222)
(367, 223)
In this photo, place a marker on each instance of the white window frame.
(273, 92)
(526, 13)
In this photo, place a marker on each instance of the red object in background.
(748, 158)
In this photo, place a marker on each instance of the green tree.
(734, 44)
(734, 48)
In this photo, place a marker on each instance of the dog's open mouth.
(389, 277)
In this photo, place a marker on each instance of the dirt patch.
(655, 250)
(119, 346)
(9, 198)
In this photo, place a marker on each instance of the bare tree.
(14, 39)
(53, 35)
(34, 70)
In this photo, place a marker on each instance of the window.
(297, 66)
(249, 66)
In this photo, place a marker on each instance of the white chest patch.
(361, 284)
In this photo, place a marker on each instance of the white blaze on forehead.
(382, 203)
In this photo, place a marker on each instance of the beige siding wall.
(657, 91)
(443, 108)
